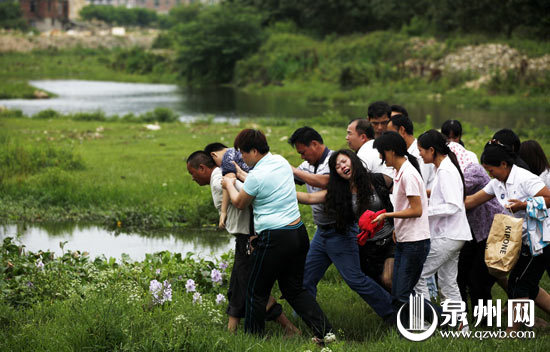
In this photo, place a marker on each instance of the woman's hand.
(241, 174)
(227, 180)
(379, 218)
(516, 205)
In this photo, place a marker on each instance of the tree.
(11, 16)
(210, 43)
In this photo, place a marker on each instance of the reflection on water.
(226, 103)
(98, 241)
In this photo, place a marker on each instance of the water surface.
(226, 103)
(98, 241)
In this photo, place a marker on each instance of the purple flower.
(158, 271)
(30, 284)
(167, 292)
(220, 298)
(197, 298)
(161, 292)
(39, 264)
(190, 286)
(216, 276)
(223, 265)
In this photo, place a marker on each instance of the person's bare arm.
(311, 198)
(515, 204)
(241, 174)
(477, 199)
(241, 199)
(414, 211)
(319, 181)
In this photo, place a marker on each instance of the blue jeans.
(329, 246)
(407, 267)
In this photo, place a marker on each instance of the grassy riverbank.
(123, 65)
(85, 167)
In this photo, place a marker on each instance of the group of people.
(394, 214)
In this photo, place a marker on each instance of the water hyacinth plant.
(161, 292)
(190, 286)
(197, 298)
(216, 276)
(220, 298)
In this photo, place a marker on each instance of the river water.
(98, 241)
(225, 103)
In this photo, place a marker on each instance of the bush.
(140, 61)
(159, 115)
(210, 44)
(47, 114)
(11, 16)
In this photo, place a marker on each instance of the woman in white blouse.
(512, 186)
(449, 226)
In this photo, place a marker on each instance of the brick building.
(50, 14)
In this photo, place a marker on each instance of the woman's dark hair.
(531, 152)
(338, 204)
(454, 127)
(249, 139)
(508, 137)
(436, 140)
(494, 153)
(393, 141)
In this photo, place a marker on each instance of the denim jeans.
(329, 246)
(407, 267)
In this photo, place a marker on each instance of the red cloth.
(369, 229)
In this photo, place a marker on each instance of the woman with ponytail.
(513, 187)
(449, 226)
(412, 230)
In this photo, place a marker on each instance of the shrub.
(209, 45)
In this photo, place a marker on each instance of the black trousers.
(473, 276)
(280, 255)
(236, 294)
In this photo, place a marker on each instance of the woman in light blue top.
(283, 241)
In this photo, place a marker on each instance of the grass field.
(60, 168)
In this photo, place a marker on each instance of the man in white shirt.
(403, 125)
(360, 138)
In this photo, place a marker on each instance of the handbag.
(503, 244)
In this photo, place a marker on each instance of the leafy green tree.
(209, 44)
(11, 16)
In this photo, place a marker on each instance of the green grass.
(65, 168)
(133, 65)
